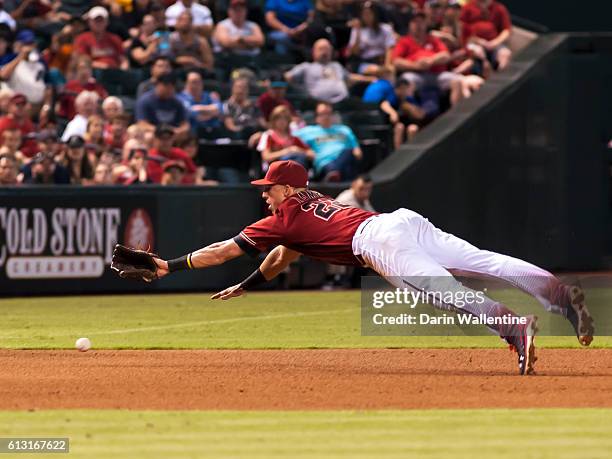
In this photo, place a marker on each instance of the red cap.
(237, 3)
(284, 173)
(18, 98)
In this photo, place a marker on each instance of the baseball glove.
(134, 263)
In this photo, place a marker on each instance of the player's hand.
(230, 292)
(162, 267)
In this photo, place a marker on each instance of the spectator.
(134, 172)
(112, 107)
(5, 100)
(370, 41)
(11, 141)
(358, 195)
(237, 35)
(104, 48)
(333, 16)
(86, 104)
(165, 151)
(94, 135)
(277, 143)
(58, 56)
(49, 142)
(173, 173)
(288, 20)
(145, 46)
(336, 147)
(6, 18)
(102, 175)
(25, 73)
(115, 132)
(275, 96)
(18, 118)
(241, 114)
(204, 109)
(422, 59)
(202, 17)
(188, 49)
(83, 81)
(487, 23)
(161, 106)
(162, 65)
(323, 78)
(44, 170)
(8, 170)
(6, 53)
(398, 102)
(76, 161)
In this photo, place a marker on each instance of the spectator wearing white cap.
(202, 17)
(104, 48)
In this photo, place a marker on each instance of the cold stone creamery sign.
(61, 243)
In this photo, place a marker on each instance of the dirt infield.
(302, 379)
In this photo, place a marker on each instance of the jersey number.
(324, 209)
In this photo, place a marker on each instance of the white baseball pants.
(410, 252)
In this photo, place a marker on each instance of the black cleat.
(579, 316)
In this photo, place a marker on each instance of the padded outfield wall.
(520, 168)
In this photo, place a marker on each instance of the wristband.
(257, 278)
(178, 264)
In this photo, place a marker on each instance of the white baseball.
(83, 344)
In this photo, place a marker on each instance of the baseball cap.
(237, 3)
(278, 82)
(75, 141)
(162, 129)
(418, 13)
(173, 164)
(284, 173)
(25, 36)
(18, 98)
(96, 12)
(166, 78)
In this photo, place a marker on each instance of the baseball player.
(402, 246)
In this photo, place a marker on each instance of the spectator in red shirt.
(275, 96)
(487, 23)
(163, 151)
(422, 59)
(104, 48)
(17, 118)
(83, 81)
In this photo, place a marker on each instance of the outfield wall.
(520, 168)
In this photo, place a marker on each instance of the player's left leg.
(456, 254)
(390, 246)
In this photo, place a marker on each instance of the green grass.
(500, 433)
(259, 320)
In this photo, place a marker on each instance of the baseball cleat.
(579, 316)
(523, 345)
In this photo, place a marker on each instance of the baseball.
(83, 344)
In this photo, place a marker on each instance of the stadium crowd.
(180, 92)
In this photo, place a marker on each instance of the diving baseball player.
(401, 246)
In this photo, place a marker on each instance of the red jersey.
(408, 48)
(485, 23)
(310, 223)
(107, 50)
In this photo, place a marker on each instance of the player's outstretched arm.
(275, 262)
(211, 255)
